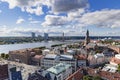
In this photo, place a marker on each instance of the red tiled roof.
(115, 60)
(38, 56)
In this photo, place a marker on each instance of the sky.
(73, 17)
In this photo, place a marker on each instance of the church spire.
(87, 33)
(87, 38)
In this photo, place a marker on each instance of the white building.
(117, 56)
(97, 59)
(45, 51)
(59, 72)
(51, 60)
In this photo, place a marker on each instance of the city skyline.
(73, 17)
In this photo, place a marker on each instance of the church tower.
(87, 38)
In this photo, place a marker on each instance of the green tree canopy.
(118, 67)
(87, 77)
(6, 56)
(96, 78)
(2, 55)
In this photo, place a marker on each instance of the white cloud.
(37, 10)
(55, 20)
(21, 31)
(52, 20)
(20, 20)
(103, 18)
(53, 31)
(111, 33)
(34, 22)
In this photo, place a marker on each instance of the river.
(9, 47)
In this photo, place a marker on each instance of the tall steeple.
(87, 38)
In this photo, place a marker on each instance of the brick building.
(24, 55)
(4, 72)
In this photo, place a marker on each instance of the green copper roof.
(59, 68)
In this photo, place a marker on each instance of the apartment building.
(51, 60)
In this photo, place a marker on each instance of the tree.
(96, 78)
(6, 56)
(2, 55)
(87, 77)
(118, 67)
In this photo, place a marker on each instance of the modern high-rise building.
(33, 35)
(46, 36)
(14, 74)
(63, 37)
(87, 38)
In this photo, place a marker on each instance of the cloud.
(30, 6)
(18, 31)
(68, 5)
(20, 20)
(52, 20)
(103, 18)
(112, 33)
(53, 31)
(56, 20)
(35, 6)
(34, 22)
(38, 10)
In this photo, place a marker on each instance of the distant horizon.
(59, 36)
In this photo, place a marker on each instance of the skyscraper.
(63, 37)
(87, 38)
(33, 35)
(46, 36)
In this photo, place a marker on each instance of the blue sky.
(73, 17)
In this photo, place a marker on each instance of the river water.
(9, 47)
